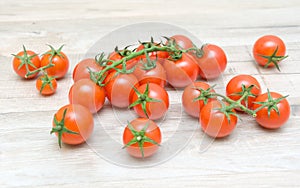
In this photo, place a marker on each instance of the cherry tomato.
(25, 59)
(46, 85)
(183, 41)
(115, 56)
(269, 118)
(119, 88)
(82, 69)
(154, 98)
(73, 124)
(269, 50)
(182, 72)
(214, 122)
(155, 54)
(192, 98)
(60, 61)
(152, 73)
(213, 62)
(234, 89)
(88, 94)
(142, 137)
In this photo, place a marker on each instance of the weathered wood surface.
(250, 157)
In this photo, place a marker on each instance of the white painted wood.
(250, 157)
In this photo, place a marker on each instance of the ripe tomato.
(88, 94)
(214, 122)
(60, 61)
(153, 74)
(141, 137)
(275, 116)
(73, 124)
(183, 41)
(269, 50)
(46, 85)
(115, 56)
(156, 54)
(182, 72)
(82, 69)
(119, 88)
(213, 62)
(26, 61)
(193, 99)
(151, 101)
(234, 89)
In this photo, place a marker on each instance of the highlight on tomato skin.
(83, 68)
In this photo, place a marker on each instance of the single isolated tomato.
(119, 88)
(269, 50)
(58, 59)
(213, 61)
(151, 101)
(181, 72)
(150, 72)
(26, 61)
(73, 124)
(142, 137)
(274, 115)
(83, 68)
(88, 94)
(195, 96)
(46, 85)
(214, 122)
(240, 84)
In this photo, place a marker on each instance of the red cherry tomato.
(155, 54)
(82, 69)
(115, 56)
(46, 85)
(183, 41)
(142, 137)
(214, 122)
(88, 94)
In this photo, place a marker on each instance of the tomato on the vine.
(58, 59)
(83, 68)
(181, 72)
(182, 41)
(88, 94)
(195, 96)
(72, 124)
(150, 100)
(116, 56)
(26, 61)
(212, 62)
(119, 88)
(273, 115)
(240, 84)
(215, 122)
(46, 85)
(156, 54)
(269, 50)
(141, 137)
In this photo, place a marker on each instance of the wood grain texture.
(250, 157)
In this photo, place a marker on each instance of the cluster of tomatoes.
(136, 78)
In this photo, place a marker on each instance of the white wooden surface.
(250, 157)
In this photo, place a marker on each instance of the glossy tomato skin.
(235, 86)
(156, 75)
(78, 119)
(119, 88)
(182, 72)
(88, 94)
(115, 56)
(213, 62)
(190, 106)
(47, 90)
(153, 132)
(155, 110)
(61, 65)
(81, 70)
(214, 123)
(22, 70)
(183, 41)
(274, 121)
(156, 54)
(266, 46)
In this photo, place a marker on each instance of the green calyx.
(26, 61)
(60, 128)
(140, 138)
(46, 80)
(148, 64)
(227, 111)
(205, 94)
(245, 93)
(143, 99)
(271, 104)
(53, 52)
(275, 59)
